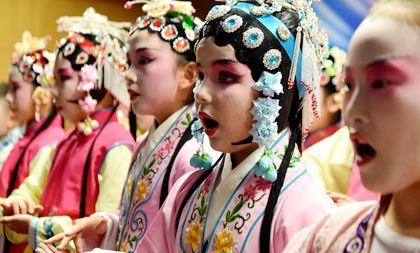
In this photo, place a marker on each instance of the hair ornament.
(181, 45)
(169, 32)
(31, 44)
(107, 49)
(269, 84)
(172, 20)
(159, 8)
(217, 12)
(272, 59)
(283, 32)
(232, 23)
(253, 37)
(35, 64)
(157, 24)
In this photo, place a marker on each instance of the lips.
(210, 125)
(364, 151)
(133, 94)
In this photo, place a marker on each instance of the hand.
(339, 198)
(20, 206)
(18, 223)
(48, 248)
(85, 227)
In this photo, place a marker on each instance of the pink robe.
(346, 229)
(301, 203)
(52, 135)
(142, 196)
(63, 190)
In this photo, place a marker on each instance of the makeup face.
(224, 96)
(381, 105)
(67, 94)
(6, 116)
(19, 97)
(153, 75)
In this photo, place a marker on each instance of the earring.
(200, 159)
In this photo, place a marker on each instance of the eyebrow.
(67, 70)
(224, 62)
(387, 65)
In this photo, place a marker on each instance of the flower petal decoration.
(197, 131)
(263, 132)
(88, 104)
(265, 108)
(269, 84)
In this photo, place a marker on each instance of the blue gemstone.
(231, 22)
(273, 60)
(253, 38)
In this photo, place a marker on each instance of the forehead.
(379, 38)
(208, 51)
(14, 74)
(62, 62)
(146, 39)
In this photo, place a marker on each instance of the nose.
(355, 108)
(130, 77)
(201, 92)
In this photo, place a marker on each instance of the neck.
(403, 212)
(238, 156)
(167, 111)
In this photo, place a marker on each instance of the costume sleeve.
(330, 161)
(165, 220)
(39, 167)
(32, 186)
(112, 177)
(303, 203)
(111, 180)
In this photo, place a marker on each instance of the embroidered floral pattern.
(142, 182)
(142, 188)
(194, 235)
(224, 242)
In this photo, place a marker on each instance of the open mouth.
(133, 94)
(210, 125)
(365, 153)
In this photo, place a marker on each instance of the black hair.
(291, 113)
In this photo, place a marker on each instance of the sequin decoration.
(69, 49)
(157, 24)
(82, 58)
(169, 32)
(217, 12)
(29, 77)
(283, 32)
(232, 23)
(272, 59)
(181, 45)
(24, 67)
(253, 38)
(143, 22)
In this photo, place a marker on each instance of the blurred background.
(338, 17)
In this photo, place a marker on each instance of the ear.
(188, 75)
(333, 103)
